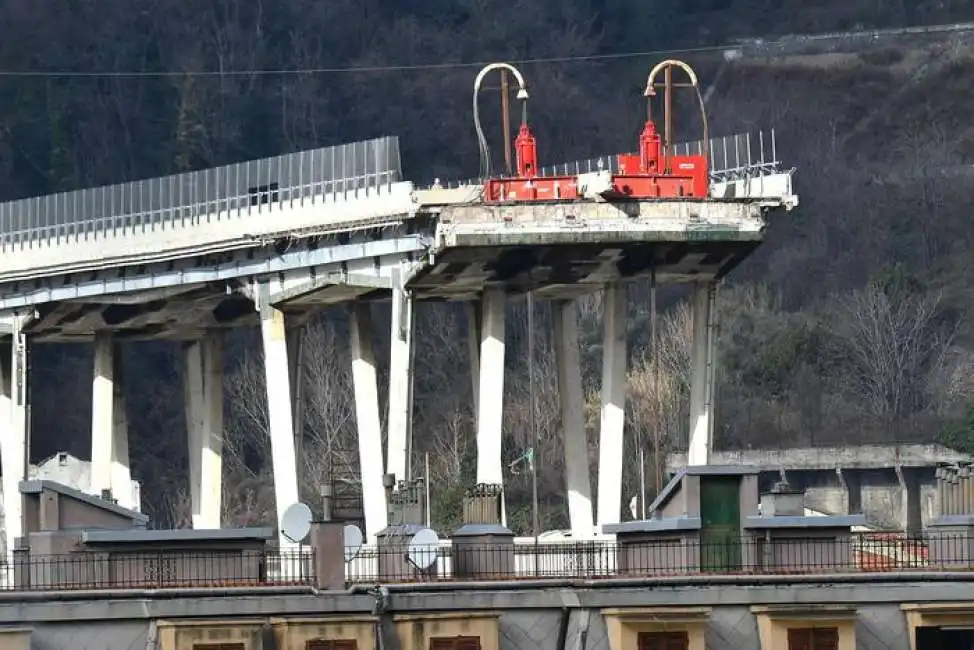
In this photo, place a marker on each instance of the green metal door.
(720, 523)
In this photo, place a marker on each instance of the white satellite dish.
(423, 549)
(296, 522)
(353, 541)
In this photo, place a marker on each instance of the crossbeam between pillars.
(702, 374)
(203, 383)
(279, 422)
(367, 419)
(612, 421)
(400, 383)
(490, 402)
(568, 362)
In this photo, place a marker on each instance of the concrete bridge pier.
(400, 383)
(203, 387)
(613, 393)
(568, 363)
(13, 428)
(702, 377)
(489, 389)
(365, 387)
(280, 425)
(110, 468)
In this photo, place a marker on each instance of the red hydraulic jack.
(527, 185)
(653, 173)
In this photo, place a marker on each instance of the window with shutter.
(455, 643)
(329, 644)
(813, 638)
(664, 641)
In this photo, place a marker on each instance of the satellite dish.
(353, 541)
(296, 522)
(423, 549)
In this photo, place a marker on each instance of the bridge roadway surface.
(174, 257)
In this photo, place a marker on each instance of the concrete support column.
(912, 512)
(367, 420)
(474, 316)
(400, 384)
(612, 423)
(851, 481)
(203, 384)
(568, 362)
(13, 432)
(121, 480)
(295, 365)
(109, 425)
(490, 400)
(279, 422)
(702, 374)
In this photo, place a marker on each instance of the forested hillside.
(850, 324)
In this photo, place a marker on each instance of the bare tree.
(894, 342)
(330, 450)
(659, 389)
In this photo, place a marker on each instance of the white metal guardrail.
(741, 166)
(200, 212)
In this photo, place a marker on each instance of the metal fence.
(157, 570)
(215, 193)
(684, 555)
(676, 556)
(732, 157)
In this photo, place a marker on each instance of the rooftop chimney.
(783, 501)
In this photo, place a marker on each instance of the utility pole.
(533, 420)
(506, 121)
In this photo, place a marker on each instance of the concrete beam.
(828, 458)
(187, 270)
(541, 224)
(367, 420)
(613, 393)
(575, 441)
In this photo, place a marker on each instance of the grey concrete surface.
(530, 618)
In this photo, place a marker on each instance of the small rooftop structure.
(707, 518)
(87, 540)
(53, 506)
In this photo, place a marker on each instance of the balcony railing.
(866, 553)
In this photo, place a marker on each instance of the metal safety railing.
(215, 193)
(734, 157)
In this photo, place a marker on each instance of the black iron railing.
(685, 554)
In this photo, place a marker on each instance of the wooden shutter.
(327, 644)
(455, 643)
(813, 638)
(664, 641)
